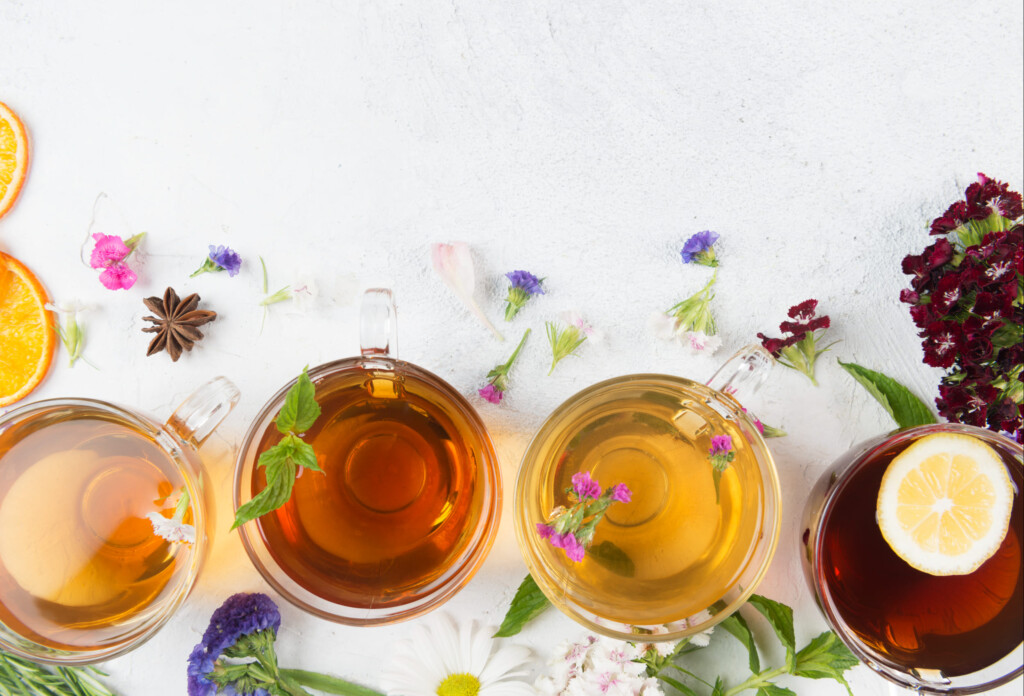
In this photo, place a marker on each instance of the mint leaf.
(527, 604)
(280, 480)
(774, 690)
(825, 657)
(302, 452)
(613, 558)
(300, 409)
(905, 408)
(781, 619)
(737, 626)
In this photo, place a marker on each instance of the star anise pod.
(176, 323)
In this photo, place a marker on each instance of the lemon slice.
(944, 504)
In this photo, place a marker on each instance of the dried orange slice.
(944, 504)
(27, 338)
(13, 157)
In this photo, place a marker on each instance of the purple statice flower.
(220, 258)
(720, 444)
(585, 486)
(621, 493)
(523, 286)
(700, 248)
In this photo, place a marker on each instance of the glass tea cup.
(674, 561)
(84, 575)
(408, 503)
(955, 634)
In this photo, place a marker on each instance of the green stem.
(756, 680)
(331, 685)
(515, 353)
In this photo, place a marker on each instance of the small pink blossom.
(491, 393)
(568, 543)
(545, 530)
(109, 250)
(621, 493)
(118, 277)
(585, 486)
(720, 444)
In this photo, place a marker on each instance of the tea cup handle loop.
(200, 414)
(378, 328)
(742, 375)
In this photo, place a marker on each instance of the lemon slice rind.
(944, 504)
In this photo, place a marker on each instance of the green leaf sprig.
(898, 401)
(21, 677)
(282, 461)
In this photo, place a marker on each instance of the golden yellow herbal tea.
(80, 564)
(678, 546)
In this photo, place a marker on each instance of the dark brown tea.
(398, 500)
(956, 624)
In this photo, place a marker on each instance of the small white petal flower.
(699, 342)
(304, 294)
(456, 660)
(664, 326)
(171, 529)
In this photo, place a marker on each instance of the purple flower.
(491, 393)
(720, 444)
(572, 547)
(526, 281)
(220, 258)
(545, 530)
(700, 249)
(621, 493)
(585, 486)
(226, 259)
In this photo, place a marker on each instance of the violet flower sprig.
(700, 248)
(246, 626)
(799, 350)
(220, 258)
(497, 383)
(721, 455)
(572, 529)
(524, 285)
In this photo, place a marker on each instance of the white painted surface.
(583, 141)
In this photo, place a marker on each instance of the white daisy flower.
(456, 660)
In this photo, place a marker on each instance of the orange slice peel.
(27, 336)
(13, 157)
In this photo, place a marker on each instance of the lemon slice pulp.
(944, 504)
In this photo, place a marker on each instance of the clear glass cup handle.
(742, 375)
(378, 327)
(200, 414)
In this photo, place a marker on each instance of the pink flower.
(572, 547)
(109, 254)
(109, 250)
(491, 393)
(720, 444)
(621, 493)
(545, 530)
(585, 486)
(118, 277)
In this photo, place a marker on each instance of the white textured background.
(583, 141)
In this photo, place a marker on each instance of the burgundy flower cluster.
(799, 350)
(966, 296)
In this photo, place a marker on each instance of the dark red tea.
(908, 619)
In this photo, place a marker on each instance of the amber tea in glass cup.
(952, 634)
(408, 504)
(84, 576)
(675, 560)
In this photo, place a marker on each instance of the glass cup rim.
(824, 595)
(151, 626)
(772, 520)
(463, 570)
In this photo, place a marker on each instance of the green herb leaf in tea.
(737, 626)
(781, 619)
(613, 558)
(905, 408)
(282, 461)
(825, 657)
(527, 604)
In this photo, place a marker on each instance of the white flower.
(450, 660)
(454, 264)
(304, 294)
(704, 637)
(171, 528)
(664, 326)
(576, 320)
(597, 666)
(699, 342)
